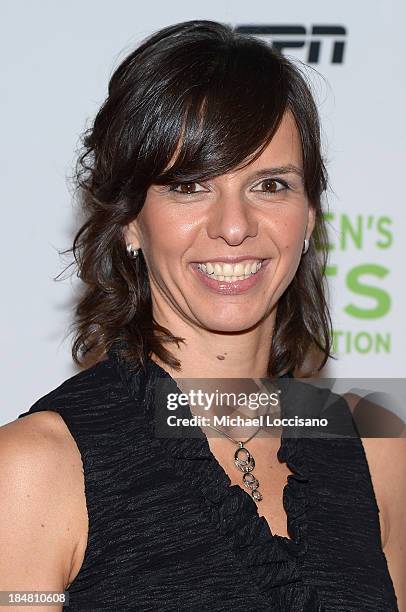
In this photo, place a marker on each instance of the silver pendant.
(246, 464)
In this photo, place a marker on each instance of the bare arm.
(39, 476)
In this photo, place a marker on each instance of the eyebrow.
(289, 169)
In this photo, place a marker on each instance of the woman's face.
(259, 214)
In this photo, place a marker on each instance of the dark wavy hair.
(225, 93)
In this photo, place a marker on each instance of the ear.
(131, 234)
(311, 221)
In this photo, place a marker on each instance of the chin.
(229, 323)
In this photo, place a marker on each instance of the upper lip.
(230, 259)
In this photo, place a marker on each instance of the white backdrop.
(57, 58)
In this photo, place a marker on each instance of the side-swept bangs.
(216, 112)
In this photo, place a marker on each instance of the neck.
(212, 355)
(207, 354)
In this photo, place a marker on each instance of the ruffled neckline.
(273, 562)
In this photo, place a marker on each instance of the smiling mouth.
(230, 273)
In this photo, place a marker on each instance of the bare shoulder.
(43, 518)
(386, 457)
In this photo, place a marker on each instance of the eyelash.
(285, 185)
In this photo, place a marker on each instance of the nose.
(232, 219)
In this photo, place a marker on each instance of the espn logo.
(297, 37)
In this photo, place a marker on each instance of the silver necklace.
(246, 463)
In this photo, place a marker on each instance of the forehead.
(288, 135)
(284, 148)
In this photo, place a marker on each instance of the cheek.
(154, 229)
(288, 234)
(165, 235)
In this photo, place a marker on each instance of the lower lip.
(239, 286)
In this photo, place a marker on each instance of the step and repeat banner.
(57, 58)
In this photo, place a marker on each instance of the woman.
(201, 179)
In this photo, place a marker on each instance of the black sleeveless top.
(167, 531)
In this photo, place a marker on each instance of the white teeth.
(230, 272)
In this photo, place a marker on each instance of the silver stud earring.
(305, 246)
(132, 253)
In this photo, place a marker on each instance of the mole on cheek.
(221, 357)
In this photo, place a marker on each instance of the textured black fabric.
(167, 531)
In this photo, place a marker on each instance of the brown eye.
(270, 186)
(185, 188)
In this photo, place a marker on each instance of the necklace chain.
(246, 464)
(236, 441)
